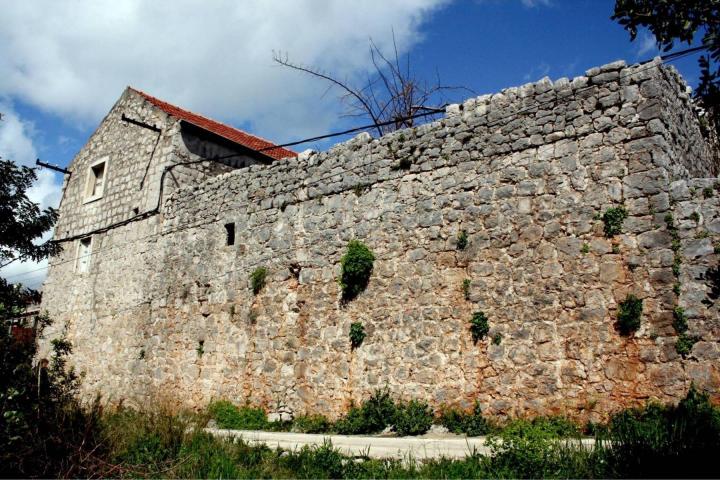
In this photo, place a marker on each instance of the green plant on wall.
(613, 219)
(357, 334)
(466, 288)
(479, 326)
(356, 267)
(462, 240)
(629, 314)
(684, 344)
(257, 279)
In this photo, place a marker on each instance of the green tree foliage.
(22, 222)
(681, 20)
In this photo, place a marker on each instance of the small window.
(83, 255)
(230, 233)
(97, 177)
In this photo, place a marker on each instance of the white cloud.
(536, 3)
(646, 45)
(537, 72)
(16, 144)
(75, 58)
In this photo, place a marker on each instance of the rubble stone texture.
(166, 314)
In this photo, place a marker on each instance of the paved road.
(419, 448)
(356, 445)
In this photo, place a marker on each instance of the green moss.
(613, 219)
(629, 314)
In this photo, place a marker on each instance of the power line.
(671, 57)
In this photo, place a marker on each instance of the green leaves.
(479, 326)
(257, 279)
(613, 219)
(629, 314)
(357, 334)
(356, 265)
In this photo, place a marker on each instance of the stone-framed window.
(96, 180)
(84, 253)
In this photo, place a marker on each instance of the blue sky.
(64, 64)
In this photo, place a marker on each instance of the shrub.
(462, 240)
(413, 418)
(629, 314)
(472, 423)
(479, 326)
(695, 217)
(311, 424)
(356, 267)
(613, 219)
(357, 334)
(666, 441)
(229, 416)
(257, 279)
(708, 192)
(372, 416)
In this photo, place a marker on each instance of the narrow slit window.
(230, 234)
(83, 255)
(97, 178)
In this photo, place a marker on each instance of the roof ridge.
(234, 134)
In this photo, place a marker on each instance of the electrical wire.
(665, 59)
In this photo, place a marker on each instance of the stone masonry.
(165, 313)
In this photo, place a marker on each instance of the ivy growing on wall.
(356, 267)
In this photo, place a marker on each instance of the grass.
(652, 441)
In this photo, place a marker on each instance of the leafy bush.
(629, 314)
(613, 219)
(679, 320)
(257, 279)
(311, 424)
(462, 240)
(372, 416)
(357, 334)
(229, 416)
(356, 267)
(413, 418)
(666, 441)
(471, 423)
(479, 326)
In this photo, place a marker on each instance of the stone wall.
(526, 173)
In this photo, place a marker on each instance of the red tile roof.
(225, 131)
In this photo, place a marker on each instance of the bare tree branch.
(390, 97)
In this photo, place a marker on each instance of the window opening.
(83, 256)
(230, 233)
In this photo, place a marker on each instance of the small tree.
(22, 222)
(391, 96)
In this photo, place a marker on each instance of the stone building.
(153, 289)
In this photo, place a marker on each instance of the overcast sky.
(63, 64)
